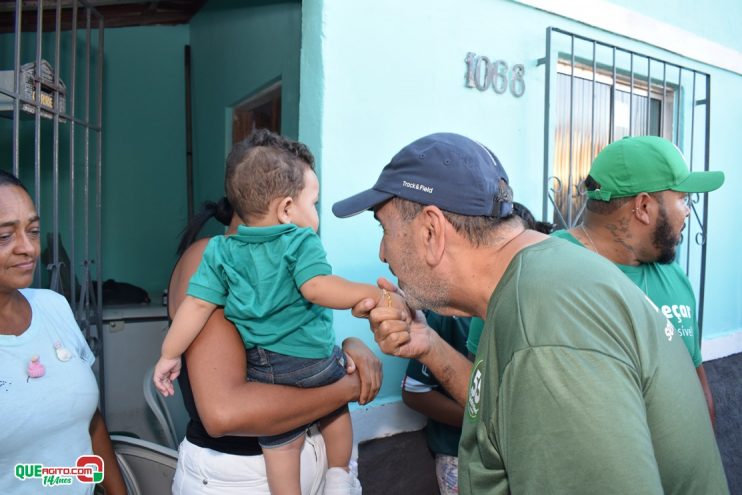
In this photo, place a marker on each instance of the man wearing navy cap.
(579, 385)
(637, 191)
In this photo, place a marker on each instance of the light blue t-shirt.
(45, 420)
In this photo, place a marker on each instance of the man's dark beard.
(664, 238)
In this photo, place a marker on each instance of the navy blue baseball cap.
(447, 170)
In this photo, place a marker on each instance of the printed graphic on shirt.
(475, 390)
(669, 327)
(669, 330)
(681, 316)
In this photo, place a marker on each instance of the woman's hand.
(361, 360)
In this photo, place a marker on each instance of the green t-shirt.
(442, 438)
(669, 288)
(475, 333)
(580, 386)
(256, 275)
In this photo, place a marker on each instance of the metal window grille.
(597, 93)
(51, 136)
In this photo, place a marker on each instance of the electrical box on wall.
(28, 90)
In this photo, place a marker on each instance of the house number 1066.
(481, 74)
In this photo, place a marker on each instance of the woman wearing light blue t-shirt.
(48, 393)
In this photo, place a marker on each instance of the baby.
(275, 284)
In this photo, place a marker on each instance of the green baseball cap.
(640, 164)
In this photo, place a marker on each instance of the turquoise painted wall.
(723, 272)
(143, 150)
(144, 207)
(238, 50)
(379, 80)
(717, 20)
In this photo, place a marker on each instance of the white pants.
(205, 472)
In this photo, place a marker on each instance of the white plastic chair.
(147, 468)
(169, 412)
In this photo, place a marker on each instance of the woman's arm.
(707, 393)
(182, 273)
(229, 405)
(436, 406)
(192, 315)
(113, 482)
(217, 367)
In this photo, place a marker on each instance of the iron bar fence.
(595, 93)
(43, 109)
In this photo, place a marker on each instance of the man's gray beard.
(431, 296)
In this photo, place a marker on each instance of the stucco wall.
(382, 73)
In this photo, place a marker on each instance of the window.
(583, 122)
(597, 93)
(262, 111)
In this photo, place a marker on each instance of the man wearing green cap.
(637, 204)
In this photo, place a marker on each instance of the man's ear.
(433, 233)
(282, 208)
(643, 208)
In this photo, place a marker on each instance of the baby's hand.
(397, 301)
(166, 371)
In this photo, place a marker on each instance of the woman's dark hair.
(529, 220)
(8, 179)
(524, 213)
(221, 210)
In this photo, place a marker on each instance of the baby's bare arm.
(336, 292)
(189, 320)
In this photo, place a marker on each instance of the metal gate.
(51, 74)
(597, 93)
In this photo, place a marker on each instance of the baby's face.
(304, 212)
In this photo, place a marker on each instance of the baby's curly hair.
(263, 167)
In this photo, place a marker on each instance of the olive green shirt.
(581, 386)
(669, 288)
